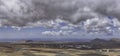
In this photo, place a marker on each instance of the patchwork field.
(38, 49)
(47, 52)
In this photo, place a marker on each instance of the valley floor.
(48, 52)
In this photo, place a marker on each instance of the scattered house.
(109, 52)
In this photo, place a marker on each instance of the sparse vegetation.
(59, 49)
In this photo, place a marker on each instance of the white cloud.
(23, 12)
(44, 13)
(58, 33)
(101, 25)
(67, 28)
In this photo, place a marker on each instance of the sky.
(59, 19)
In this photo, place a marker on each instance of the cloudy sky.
(59, 19)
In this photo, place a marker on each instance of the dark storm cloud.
(21, 12)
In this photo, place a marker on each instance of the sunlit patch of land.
(29, 48)
(54, 52)
(31, 51)
(46, 52)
